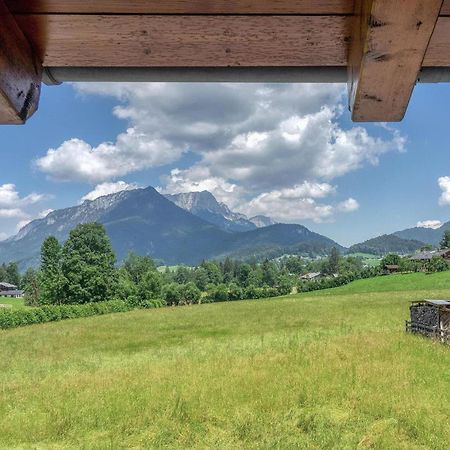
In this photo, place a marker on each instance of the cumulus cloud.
(444, 184)
(254, 144)
(13, 206)
(43, 214)
(133, 150)
(298, 203)
(348, 205)
(434, 224)
(108, 188)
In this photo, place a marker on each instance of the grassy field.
(367, 258)
(327, 370)
(15, 302)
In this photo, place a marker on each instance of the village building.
(7, 286)
(428, 255)
(311, 276)
(392, 268)
(10, 290)
(430, 318)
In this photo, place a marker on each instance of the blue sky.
(259, 149)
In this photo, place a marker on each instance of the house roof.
(311, 275)
(8, 285)
(439, 302)
(429, 254)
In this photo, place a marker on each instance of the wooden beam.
(187, 41)
(20, 72)
(181, 6)
(390, 39)
(438, 53)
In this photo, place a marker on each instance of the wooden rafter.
(382, 43)
(20, 72)
(389, 43)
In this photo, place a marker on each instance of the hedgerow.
(13, 318)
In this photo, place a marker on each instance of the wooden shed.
(381, 48)
(430, 318)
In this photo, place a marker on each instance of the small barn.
(311, 276)
(392, 268)
(430, 318)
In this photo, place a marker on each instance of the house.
(7, 287)
(15, 293)
(10, 290)
(430, 318)
(392, 268)
(428, 255)
(311, 276)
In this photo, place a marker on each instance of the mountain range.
(186, 228)
(148, 223)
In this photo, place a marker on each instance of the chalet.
(10, 290)
(428, 256)
(7, 287)
(15, 293)
(311, 276)
(430, 318)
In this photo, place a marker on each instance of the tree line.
(84, 270)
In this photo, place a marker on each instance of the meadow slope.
(325, 370)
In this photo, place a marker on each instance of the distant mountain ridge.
(387, 243)
(262, 221)
(430, 236)
(204, 205)
(144, 221)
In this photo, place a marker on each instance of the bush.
(12, 318)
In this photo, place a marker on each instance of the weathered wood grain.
(20, 72)
(182, 6)
(388, 48)
(188, 41)
(445, 10)
(438, 53)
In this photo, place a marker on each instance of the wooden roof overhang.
(379, 47)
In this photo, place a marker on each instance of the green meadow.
(324, 370)
(14, 302)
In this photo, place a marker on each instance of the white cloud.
(434, 224)
(22, 223)
(108, 188)
(14, 209)
(12, 212)
(43, 214)
(254, 144)
(77, 160)
(3, 236)
(298, 203)
(348, 205)
(444, 184)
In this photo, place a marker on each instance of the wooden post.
(20, 72)
(389, 42)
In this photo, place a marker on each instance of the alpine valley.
(173, 229)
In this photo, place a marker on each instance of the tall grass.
(315, 371)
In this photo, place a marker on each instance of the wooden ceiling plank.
(182, 6)
(188, 41)
(20, 72)
(438, 52)
(388, 47)
(445, 11)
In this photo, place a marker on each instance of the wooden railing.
(433, 332)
